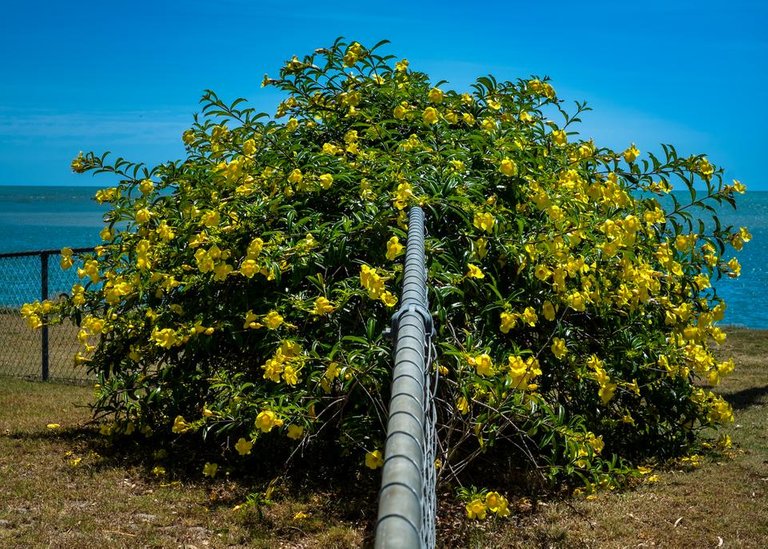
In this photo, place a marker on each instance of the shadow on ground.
(752, 396)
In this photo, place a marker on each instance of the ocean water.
(747, 296)
(49, 218)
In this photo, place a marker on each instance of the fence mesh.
(26, 277)
(429, 471)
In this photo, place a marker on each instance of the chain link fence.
(47, 353)
(407, 500)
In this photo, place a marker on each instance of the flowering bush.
(243, 292)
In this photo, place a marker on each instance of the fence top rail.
(43, 252)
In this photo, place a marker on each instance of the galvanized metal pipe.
(401, 498)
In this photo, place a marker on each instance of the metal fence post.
(406, 509)
(43, 297)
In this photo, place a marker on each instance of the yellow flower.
(374, 460)
(322, 306)
(474, 271)
(548, 310)
(542, 272)
(558, 347)
(330, 149)
(483, 364)
(529, 316)
(403, 195)
(210, 218)
(78, 164)
(541, 88)
(326, 180)
(250, 321)
(476, 509)
(267, 420)
(295, 176)
(724, 442)
(508, 321)
(142, 216)
(53, 426)
(576, 301)
(273, 368)
(354, 52)
(735, 268)
(631, 154)
(248, 268)
(435, 95)
(188, 137)
(497, 503)
(371, 281)
(388, 299)
(488, 124)
(739, 187)
(243, 446)
(221, 271)
(462, 405)
(508, 167)
(430, 116)
(738, 239)
(180, 425)
(249, 147)
(705, 169)
(606, 392)
(555, 212)
(66, 258)
(745, 235)
(290, 375)
(210, 469)
(484, 221)
(291, 125)
(106, 195)
(521, 372)
(559, 137)
(165, 337)
(468, 119)
(295, 432)
(255, 247)
(146, 186)
(273, 320)
(400, 111)
(394, 248)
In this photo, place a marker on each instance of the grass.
(67, 487)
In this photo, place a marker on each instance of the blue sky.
(127, 76)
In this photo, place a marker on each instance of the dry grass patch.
(68, 487)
